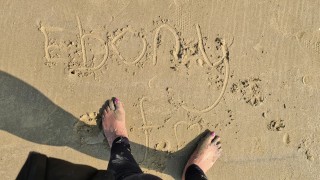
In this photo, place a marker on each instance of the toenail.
(116, 100)
(213, 134)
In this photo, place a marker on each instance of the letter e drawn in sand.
(83, 66)
(119, 36)
(48, 46)
(225, 59)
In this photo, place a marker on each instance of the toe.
(118, 104)
(104, 113)
(216, 140)
(208, 138)
(218, 145)
(107, 109)
(111, 105)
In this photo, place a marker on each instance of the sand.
(248, 70)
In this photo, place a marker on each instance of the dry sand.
(247, 69)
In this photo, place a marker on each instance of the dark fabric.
(41, 167)
(142, 177)
(34, 167)
(122, 164)
(194, 172)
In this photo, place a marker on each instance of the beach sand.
(249, 70)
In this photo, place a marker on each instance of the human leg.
(122, 163)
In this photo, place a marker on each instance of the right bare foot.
(113, 120)
(206, 153)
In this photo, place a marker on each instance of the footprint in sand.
(182, 128)
(162, 146)
(309, 41)
(311, 80)
(276, 125)
(306, 148)
(88, 130)
(286, 138)
(250, 91)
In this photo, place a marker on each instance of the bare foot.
(206, 153)
(113, 120)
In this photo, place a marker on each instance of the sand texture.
(247, 69)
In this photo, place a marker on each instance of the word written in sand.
(90, 51)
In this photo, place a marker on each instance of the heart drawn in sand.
(184, 132)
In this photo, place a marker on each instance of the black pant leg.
(121, 163)
(194, 172)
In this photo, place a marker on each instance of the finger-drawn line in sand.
(84, 56)
(225, 60)
(156, 38)
(105, 56)
(148, 127)
(46, 43)
(149, 82)
(145, 130)
(189, 126)
(224, 87)
(201, 47)
(82, 36)
(83, 48)
(143, 52)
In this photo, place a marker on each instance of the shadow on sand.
(29, 114)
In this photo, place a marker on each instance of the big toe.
(209, 137)
(118, 104)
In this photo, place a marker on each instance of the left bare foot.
(113, 120)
